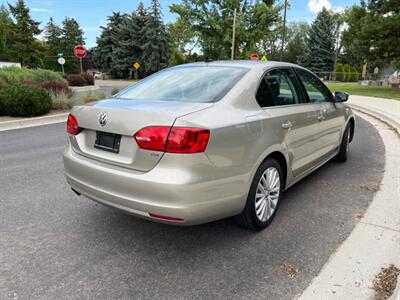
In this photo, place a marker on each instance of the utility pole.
(284, 30)
(233, 35)
(336, 52)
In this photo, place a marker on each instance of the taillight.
(152, 138)
(72, 125)
(173, 140)
(187, 140)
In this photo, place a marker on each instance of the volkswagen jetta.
(206, 141)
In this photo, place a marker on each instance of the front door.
(329, 117)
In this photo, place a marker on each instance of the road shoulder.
(374, 242)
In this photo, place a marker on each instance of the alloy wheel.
(267, 195)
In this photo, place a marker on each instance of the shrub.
(114, 91)
(340, 76)
(30, 83)
(76, 80)
(93, 97)
(41, 75)
(347, 72)
(24, 101)
(13, 75)
(56, 87)
(89, 78)
(63, 101)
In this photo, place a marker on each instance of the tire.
(344, 146)
(253, 216)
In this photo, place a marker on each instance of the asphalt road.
(54, 244)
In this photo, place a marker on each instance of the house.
(6, 64)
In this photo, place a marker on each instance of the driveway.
(55, 244)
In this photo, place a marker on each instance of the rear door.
(287, 113)
(330, 118)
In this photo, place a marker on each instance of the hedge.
(20, 100)
(340, 76)
(347, 70)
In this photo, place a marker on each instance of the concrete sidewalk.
(375, 241)
(386, 110)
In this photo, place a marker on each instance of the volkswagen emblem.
(103, 119)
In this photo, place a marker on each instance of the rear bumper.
(186, 190)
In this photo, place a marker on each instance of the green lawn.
(354, 88)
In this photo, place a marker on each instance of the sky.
(91, 14)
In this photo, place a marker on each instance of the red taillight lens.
(187, 140)
(173, 140)
(152, 138)
(72, 125)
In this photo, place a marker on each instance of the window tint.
(186, 84)
(315, 89)
(278, 87)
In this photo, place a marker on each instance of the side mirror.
(341, 96)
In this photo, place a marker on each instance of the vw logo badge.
(103, 119)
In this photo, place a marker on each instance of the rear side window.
(277, 88)
(316, 90)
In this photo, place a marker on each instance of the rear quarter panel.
(239, 141)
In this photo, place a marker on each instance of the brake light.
(152, 138)
(173, 139)
(72, 125)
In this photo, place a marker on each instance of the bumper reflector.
(167, 218)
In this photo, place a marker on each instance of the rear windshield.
(186, 84)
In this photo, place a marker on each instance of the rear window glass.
(186, 84)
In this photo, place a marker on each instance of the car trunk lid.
(124, 119)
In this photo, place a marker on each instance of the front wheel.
(264, 196)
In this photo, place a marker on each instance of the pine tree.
(53, 37)
(5, 38)
(72, 35)
(103, 53)
(53, 41)
(319, 55)
(26, 49)
(156, 47)
(129, 40)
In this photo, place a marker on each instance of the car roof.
(250, 64)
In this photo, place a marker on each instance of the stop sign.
(80, 51)
(254, 57)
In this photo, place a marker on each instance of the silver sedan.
(205, 141)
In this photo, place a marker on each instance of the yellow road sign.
(264, 58)
(136, 65)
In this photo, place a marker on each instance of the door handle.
(322, 113)
(287, 125)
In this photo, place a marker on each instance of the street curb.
(380, 116)
(32, 122)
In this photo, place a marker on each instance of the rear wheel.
(344, 146)
(264, 195)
